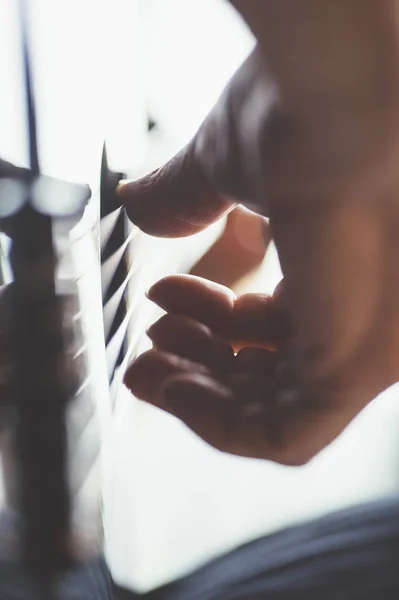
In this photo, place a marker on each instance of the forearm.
(329, 51)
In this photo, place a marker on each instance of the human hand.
(219, 363)
(327, 179)
(194, 373)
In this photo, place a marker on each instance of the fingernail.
(148, 293)
(124, 187)
(149, 331)
(125, 378)
(127, 187)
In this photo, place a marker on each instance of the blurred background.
(142, 75)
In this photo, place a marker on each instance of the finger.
(150, 370)
(176, 200)
(255, 361)
(186, 337)
(216, 414)
(251, 319)
(238, 251)
(205, 301)
(203, 404)
(288, 431)
(260, 320)
(250, 388)
(206, 179)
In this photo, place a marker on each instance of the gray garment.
(88, 582)
(349, 555)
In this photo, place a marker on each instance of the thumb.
(176, 200)
(204, 181)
